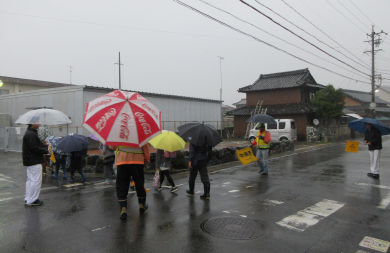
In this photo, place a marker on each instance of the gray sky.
(170, 49)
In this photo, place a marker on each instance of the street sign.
(352, 146)
(246, 156)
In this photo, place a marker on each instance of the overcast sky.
(170, 49)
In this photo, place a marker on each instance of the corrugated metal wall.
(72, 101)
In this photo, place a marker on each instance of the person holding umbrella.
(262, 141)
(373, 138)
(33, 151)
(202, 138)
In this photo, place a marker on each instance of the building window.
(312, 94)
(3, 92)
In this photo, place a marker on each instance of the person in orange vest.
(262, 141)
(130, 164)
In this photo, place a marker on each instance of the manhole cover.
(234, 228)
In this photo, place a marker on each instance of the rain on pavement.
(315, 199)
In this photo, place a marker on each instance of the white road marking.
(227, 183)
(97, 229)
(375, 185)
(274, 201)
(5, 193)
(310, 215)
(226, 211)
(4, 179)
(375, 244)
(234, 191)
(385, 202)
(243, 216)
(249, 186)
(2, 175)
(11, 198)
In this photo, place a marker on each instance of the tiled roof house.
(286, 95)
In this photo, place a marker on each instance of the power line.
(253, 37)
(344, 16)
(302, 38)
(353, 14)
(321, 30)
(363, 13)
(277, 37)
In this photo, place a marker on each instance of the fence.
(11, 138)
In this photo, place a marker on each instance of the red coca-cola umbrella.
(122, 118)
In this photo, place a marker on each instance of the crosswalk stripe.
(310, 215)
(385, 202)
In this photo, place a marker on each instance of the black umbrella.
(200, 134)
(262, 118)
(72, 142)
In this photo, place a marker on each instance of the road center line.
(311, 215)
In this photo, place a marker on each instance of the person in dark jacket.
(198, 159)
(77, 161)
(373, 138)
(32, 151)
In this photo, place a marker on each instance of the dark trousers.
(124, 174)
(201, 166)
(60, 162)
(169, 178)
(76, 164)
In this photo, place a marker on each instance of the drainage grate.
(234, 228)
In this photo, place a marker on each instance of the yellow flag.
(52, 158)
(246, 156)
(352, 146)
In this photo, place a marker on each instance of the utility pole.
(220, 71)
(70, 70)
(375, 41)
(119, 63)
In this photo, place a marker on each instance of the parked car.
(285, 129)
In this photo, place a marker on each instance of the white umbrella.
(44, 117)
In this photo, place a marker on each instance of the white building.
(72, 100)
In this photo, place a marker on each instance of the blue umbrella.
(53, 142)
(360, 126)
(72, 142)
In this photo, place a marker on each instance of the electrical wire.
(345, 16)
(363, 14)
(352, 14)
(304, 39)
(321, 30)
(278, 37)
(259, 40)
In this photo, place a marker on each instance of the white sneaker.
(174, 189)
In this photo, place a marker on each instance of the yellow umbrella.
(168, 141)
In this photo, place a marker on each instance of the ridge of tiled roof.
(362, 96)
(280, 80)
(297, 108)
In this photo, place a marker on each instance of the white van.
(285, 129)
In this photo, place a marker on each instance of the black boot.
(83, 177)
(206, 194)
(123, 206)
(191, 190)
(142, 205)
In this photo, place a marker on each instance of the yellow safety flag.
(352, 146)
(246, 156)
(134, 185)
(52, 158)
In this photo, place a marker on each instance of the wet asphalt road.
(317, 199)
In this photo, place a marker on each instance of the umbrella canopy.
(360, 125)
(93, 137)
(200, 134)
(262, 118)
(44, 117)
(52, 140)
(72, 142)
(168, 141)
(122, 118)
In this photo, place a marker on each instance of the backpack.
(168, 154)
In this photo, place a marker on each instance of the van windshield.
(292, 124)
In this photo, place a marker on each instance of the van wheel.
(283, 139)
(251, 139)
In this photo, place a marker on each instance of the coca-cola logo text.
(104, 102)
(153, 112)
(145, 126)
(103, 120)
(124, 131)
